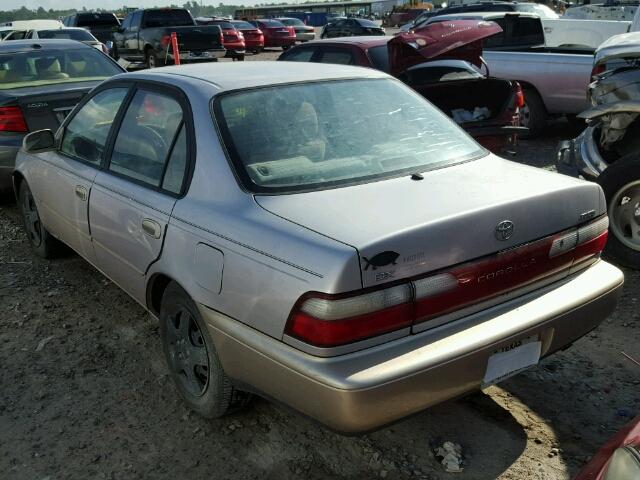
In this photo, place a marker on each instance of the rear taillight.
(12, 120)
(331, 320)
(597, 70)
(292, 31)
(165, 40)
(519, 96)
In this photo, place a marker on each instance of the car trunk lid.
(459, 40)
(50, 105)
(404, 228)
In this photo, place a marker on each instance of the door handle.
(81, 193)
(151, 228)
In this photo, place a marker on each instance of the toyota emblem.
(504, 230)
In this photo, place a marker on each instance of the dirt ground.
(84, 394)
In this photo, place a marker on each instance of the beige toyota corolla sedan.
(320, 235)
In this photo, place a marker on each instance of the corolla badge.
(504, 230)
(381, 260)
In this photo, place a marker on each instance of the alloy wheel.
(624, 214)
(187, 352)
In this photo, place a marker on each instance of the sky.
(106, 4)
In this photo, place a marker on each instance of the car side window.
(86, 134)
(126, 23)
(341, 56)
(136, 19)
(340, 24)
(143, 143)
(174, 175)
(299, 55)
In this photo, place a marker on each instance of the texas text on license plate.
(512, 359)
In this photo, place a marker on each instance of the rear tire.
(621, 185)
(152, 60)
(241, 58)
(192, 359)
(41, 241)
(533, 115)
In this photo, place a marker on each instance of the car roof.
(482, 15)
(365, 40)
(33, 45)
(240, 75)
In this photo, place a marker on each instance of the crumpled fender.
(625, 106)
(615, 118)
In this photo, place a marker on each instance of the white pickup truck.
(567, 32)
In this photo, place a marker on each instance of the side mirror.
(39, 141)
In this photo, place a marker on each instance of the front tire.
(41, 241)
(533, 114)
(192, 359)
(621, 185)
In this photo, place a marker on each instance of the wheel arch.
(156, 286)
(17, 178)
(530, 86)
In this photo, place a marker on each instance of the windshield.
(292, 22)
(44, 67)
(319, 135)
(244, 25)
(541, 10)
(98, 20)
(167, 18)
(80, 35)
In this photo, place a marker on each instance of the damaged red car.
(443, 62)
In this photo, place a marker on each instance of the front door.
(133, 197)
(65, 176)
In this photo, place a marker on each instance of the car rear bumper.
(199, 56)
(580, 157)
(279, 41)
(252, 44)
(305, 36)
(370, 388)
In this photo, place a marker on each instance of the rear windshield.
(44, 67)
(292, 22)
(367, 23)
(271, 23)
(244, 26)
(516, 32)
(97, 20)
(167, 18)
(80, 35)
(379, 57)
(227, 25)
(320, 135)
(541, 10)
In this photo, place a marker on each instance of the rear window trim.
(247, 185)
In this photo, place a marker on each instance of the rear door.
(134, 195)
(64, 177)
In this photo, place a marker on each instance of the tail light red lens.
(597, 70)
(331, 320)
(12, 120)
(519, 96)
(165, 40)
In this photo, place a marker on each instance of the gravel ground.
(84, 394)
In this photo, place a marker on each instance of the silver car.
(317, 234)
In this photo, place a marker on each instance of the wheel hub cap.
(624, 211)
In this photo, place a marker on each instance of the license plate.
(512, 359)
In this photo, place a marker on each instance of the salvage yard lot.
(86, 393)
